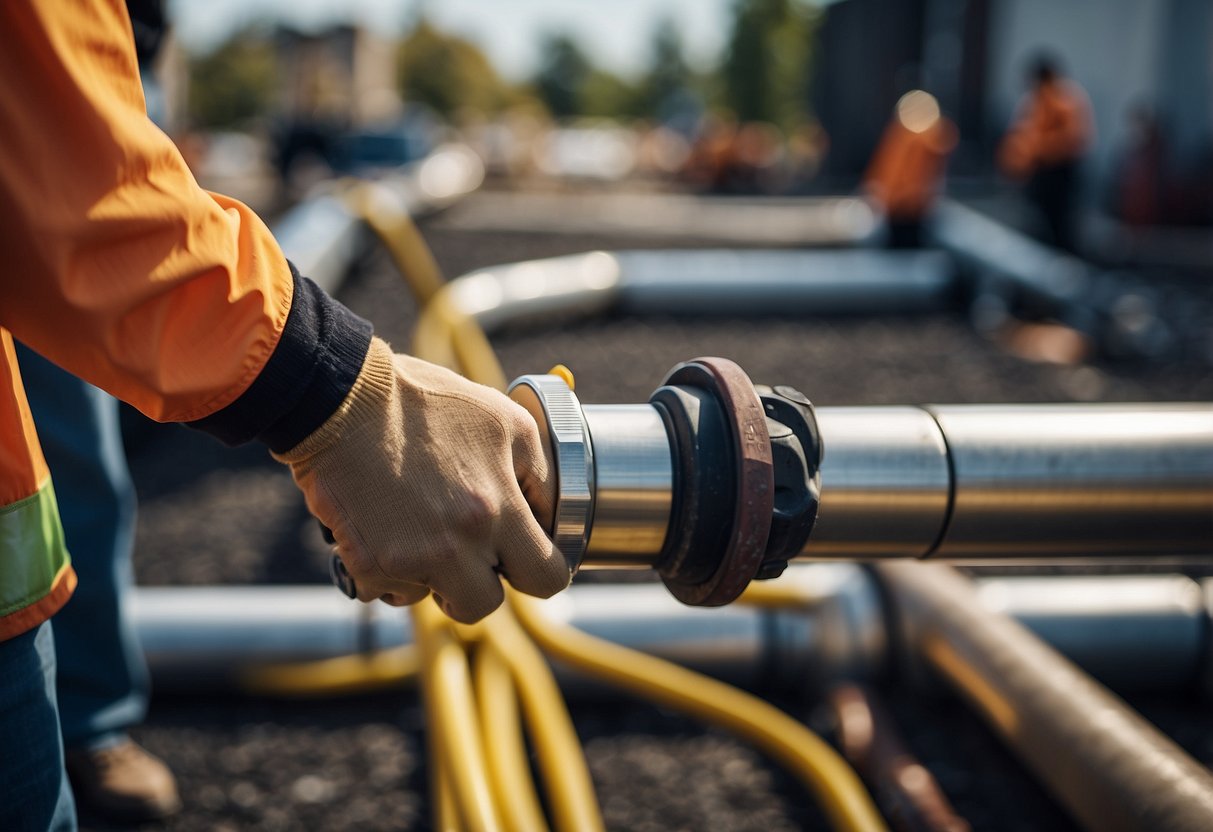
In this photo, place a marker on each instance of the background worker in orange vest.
(905, 174)
(120, 269)
(1045, 146)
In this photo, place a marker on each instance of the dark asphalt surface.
(213, 516)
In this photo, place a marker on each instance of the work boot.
(122, 783)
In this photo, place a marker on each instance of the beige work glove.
(428, 482)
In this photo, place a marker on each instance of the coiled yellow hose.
(339, 676)
(455, 725)
(843, 797)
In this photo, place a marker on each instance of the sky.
(615, 33)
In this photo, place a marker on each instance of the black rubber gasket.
(713, 575)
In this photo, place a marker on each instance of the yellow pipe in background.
(835, 784)
(561, 757)
(451, 712)
(778, 595)
(387, 216)
(446, 815)
(338, 676)
(433, 341)
(505, 748)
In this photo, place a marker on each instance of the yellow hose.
(778, 594)
(385, 215)
(561, 758)
(337, 676)
(828, 776)
(446, 814)
(505, 749)
(451, 715)
(456, 341)
(433, 341)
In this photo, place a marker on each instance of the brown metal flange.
(755, 480)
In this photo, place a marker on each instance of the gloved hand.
(428, 482)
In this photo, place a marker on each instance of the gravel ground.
(209, 516)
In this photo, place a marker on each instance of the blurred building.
(344, 74)
(339, 109)
(1129, 55)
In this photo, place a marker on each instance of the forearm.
(119, 267)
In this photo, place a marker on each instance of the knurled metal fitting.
(563, 429)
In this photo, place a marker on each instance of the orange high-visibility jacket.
(905, 172)
(117, 266)
(1053, 126)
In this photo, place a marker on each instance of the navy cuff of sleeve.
(318, 357)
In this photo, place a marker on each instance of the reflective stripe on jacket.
(36, 576)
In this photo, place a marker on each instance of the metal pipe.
(705, 282)
(1132, 632)
(787, 221)
(740, 282)
(971, 482)
(322, 237)
(634, 482)
(204, 637)
(885, 483)
(1066, 480)
(1106, 764)
(1125, 630)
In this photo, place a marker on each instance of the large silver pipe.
(992, 248)
(199, 638)
(1026, 482)
(705, 282)
(1128, 631)
(1107, 765)
(1135, 633)
(1066, 480)
(971, 482)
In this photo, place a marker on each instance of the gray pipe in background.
(727, 281)
(1110, 768)
(1135, 633)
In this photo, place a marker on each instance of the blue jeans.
(36, 795)
(102, 675)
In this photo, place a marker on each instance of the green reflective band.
(32, 549)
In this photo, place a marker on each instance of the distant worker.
(1044, 148)
(904, 176)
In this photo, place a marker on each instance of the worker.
(120, 269)
(1044, 148)
(102, 680)
(903, 179)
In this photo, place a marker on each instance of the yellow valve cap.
(564, 374)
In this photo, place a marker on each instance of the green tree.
(766, 67)
(563, 71)
(235, 83)
(668, 73)
(606, 95)
(570, 85)
(448, 73)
